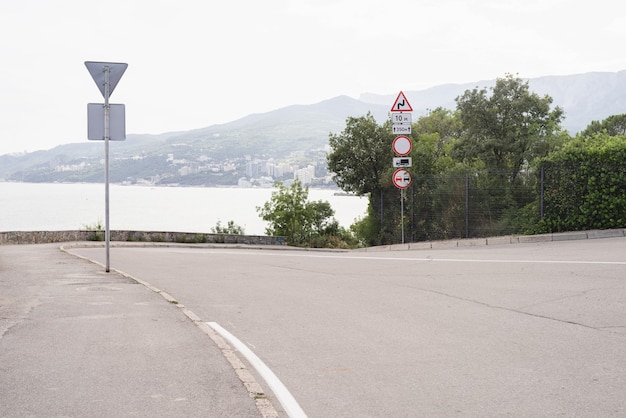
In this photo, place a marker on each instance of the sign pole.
(402, 146)
(106, 75)
(402, 211)
(107, 134)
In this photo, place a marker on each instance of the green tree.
(290, 214)
(319, 213)
(507, 127)
(360, 154)
(360, 159)
(613, 125)
(445, 123)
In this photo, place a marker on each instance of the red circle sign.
(402, 145)
(401, 178)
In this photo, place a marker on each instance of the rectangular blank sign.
(95, 122)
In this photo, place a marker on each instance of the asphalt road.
(78, 342)
(527, 330)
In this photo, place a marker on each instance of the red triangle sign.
(401, 104)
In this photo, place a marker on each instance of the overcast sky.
(195, 63)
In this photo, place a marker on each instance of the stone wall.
(44, 237)
(512, 239)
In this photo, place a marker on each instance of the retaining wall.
(44, 237)
(521, 239)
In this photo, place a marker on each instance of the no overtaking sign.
(401, 178)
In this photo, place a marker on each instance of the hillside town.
(173, 169)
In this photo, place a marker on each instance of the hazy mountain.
(280, 129)
(584, 97)
(220, 154)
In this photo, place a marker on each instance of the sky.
(196, 63)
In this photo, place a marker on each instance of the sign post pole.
(402, 211)
(107, 75)
(107, 134)
(402, 147)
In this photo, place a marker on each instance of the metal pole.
(107, 235)
(402, 211)
(467, 203)
(541, 213)
(382, 225)
(412, 237)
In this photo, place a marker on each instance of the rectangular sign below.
(401, 129)
(399, 162)
(95, 122)
(401, 118)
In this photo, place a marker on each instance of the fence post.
(541, 209)
(467, 190)
(412, 238)
(382, 225)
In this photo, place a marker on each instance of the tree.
(319, 213)
(443, 122)
(360, 154)
(360, 159)
(507, 128)
(290, 214)
(613, 125)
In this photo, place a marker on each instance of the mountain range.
(288, 138)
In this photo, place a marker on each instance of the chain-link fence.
(487, 203)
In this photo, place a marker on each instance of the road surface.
(511, 330)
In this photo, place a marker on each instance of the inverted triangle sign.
(116, 71)
(401, 104)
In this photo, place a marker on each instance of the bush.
(231, 228)
(586, 187)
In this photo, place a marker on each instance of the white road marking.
(461, 260)
(423, 259)
(289, 403)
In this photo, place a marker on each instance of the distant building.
(252, 169)
(244, 182)
(305, 175)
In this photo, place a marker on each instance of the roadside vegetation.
(500, 163)
(231, 228)
(96, 231)
(289, 213)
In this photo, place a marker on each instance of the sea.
(73, 206)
